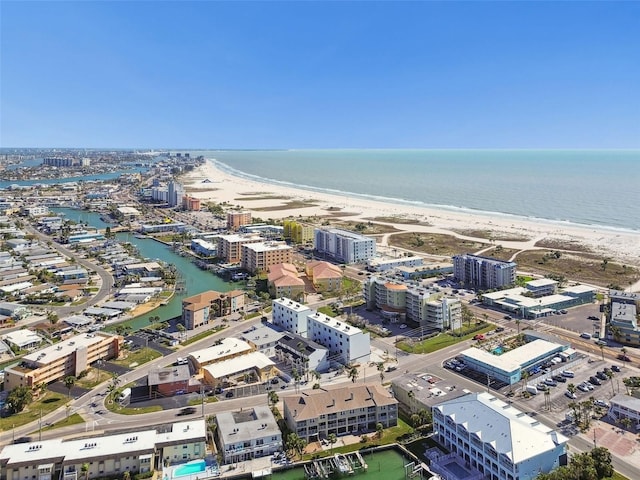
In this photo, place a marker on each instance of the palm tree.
(524, 375)
(547, 399)
(85, 470)
(315, 374)
(380, 367)
(69, 382)
(332, 438)
(273, 398)
(518, 325)
(571, 388)
(602, 351)
(609, 375)
(354, 374)
(379, 430)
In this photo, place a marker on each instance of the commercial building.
(625, 406)
(508, 366)
(496, 439)
(346, 343)
(199, 309)
(623, 317)
(298, 232)
(263, 338)
(224, 349)
(236, 369)
(353, 409)
(418, 391)
(105, 455)
(68, 357)
(23, 339)
(483, 273)
(204, 248)
(344, 246)
(237, 219)
(230, 246)
(258, 257)
(247, 434)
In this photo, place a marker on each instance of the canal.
(195, 280)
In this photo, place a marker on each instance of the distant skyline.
(313, 75)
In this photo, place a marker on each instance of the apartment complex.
(625, 406)
(68, 357)
(353, 409)
(408, 300)
(258, 257)
(110, 455)
(623, 317)
(199, 309)
(247, 434)
(498, 440)
(346, 343)
(230, 246)
(237, 219)
(384, 264)
(301, 353)
(298, 232)
(325, 276)
(283, 281)
(344, 246)
(483, 273)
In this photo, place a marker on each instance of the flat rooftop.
(226, 348)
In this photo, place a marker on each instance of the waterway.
(385, 465)
(100, 177)
(195, 280)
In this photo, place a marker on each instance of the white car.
(571, 395)
(403, 326)
(601, 403)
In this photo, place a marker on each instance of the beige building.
(257, 365)
(353, 409)
(106, 456)
(199, 309)
(258, 257)
(235, 220)
(230, 246)
(225, 349)
(325, 276)
(283, 280)
(68, 357)
(298, 232)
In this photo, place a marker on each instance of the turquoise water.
(78, 215)
(497, 351)
(49, 181)
(563, 186)
(386, 465)
(196, 466)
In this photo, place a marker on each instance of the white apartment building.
(247, 434)
(497, 439)
(345, 342)
(483, 273)
(384, 264)
(625, 406)
(290, 315)
(344, 246)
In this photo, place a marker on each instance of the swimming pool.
(498, 351)
(195, 466)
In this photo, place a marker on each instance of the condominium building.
(190, 203)
(69, 357)
(354, 409)
(283, 281)
(442, 314)
(248, 433)
(325, 276)
(258, 257)
(496, 439)
(222, 350)
(483, 273)
(384, 264)
(298, 232)
(625, 406)
(344, 246)
(230, 246)
(105, 455)
(199, 309)
(175, 192)
(346, 343)
(301, 353)
(237, 219)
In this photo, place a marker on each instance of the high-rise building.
(237, 219)
(483, 273)
(344, 246)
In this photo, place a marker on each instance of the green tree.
(602, 462)
(19, 398)
(69, 382)
(379, 430)
(273, 398)
(354, 373)
(85, 470)
(332, 438)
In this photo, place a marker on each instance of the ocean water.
(599, 188)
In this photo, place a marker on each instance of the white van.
(567, 373)
(532, 389)
(182, 361)
(126, 393)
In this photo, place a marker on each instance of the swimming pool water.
(196, 466)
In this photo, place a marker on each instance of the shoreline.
(269, 200)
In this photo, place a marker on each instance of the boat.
(343, 464)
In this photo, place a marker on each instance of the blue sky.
(320, 74)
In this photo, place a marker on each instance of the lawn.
(439, 342)
(74, 419)
(138, 357)
(202, 335)
(93, 378)
(47, 403)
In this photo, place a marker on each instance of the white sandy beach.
(222, 187)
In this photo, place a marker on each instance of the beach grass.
(434, 243)
(292, 205)
(365, 228)
(492, 235)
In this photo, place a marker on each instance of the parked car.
(508, 317)
(601, 375)
(229, 394)
(583, 387)
(593, 380)
(586, 335)
(624, 358)
(593, 317)
(571, 395)
(479, 336)
(499, 329)
(601, 403)
(559, 378)
(567, 373)
(551, 382)
(615, 368)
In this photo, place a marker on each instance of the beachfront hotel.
(346, 343)
(68, 357)
(496, 439)
(483, 273)
(353, 409)
(106, 455)
(199, 309)
(258, 257)
(246, 434)
(344, 246)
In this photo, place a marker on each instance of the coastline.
(271, 200)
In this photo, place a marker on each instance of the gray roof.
(247, 424)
